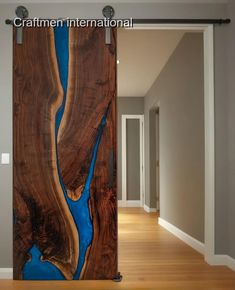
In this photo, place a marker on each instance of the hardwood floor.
(149, 258)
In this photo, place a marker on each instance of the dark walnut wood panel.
(91, 89)
(41, 215)
(102, 259)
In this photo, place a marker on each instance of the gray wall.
(224, 95)
(180, 91)
(128, 106)
(133, 159)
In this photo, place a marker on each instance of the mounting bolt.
(108, 12)
(22, 12)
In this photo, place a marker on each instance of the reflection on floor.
(150, 258)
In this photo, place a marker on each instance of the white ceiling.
(142, 55)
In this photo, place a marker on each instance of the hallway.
(150, 258)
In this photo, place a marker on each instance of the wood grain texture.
(91, 90)
(150, 258)
(41, 215)
(102, 259)
(41, 207)
(91, 87)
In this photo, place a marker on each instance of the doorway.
(132, 161)
(207, 31)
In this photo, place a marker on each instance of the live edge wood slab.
(64, 108)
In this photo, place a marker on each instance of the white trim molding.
(149, 209)
(209, 116)
(192, 242)
(230, 262)
(129, 203)
(124, 158)
(6, 273)
(223, 260)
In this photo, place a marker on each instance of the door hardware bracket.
(21, 13)
(108, 12)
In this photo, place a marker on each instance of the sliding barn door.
(65, 202)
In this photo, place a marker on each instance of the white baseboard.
(6, 273)
(129, 203)
(219, 260)
(222, 260)
(149, 209)
(231, 263)
(192, 242)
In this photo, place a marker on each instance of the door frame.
(157, 139)
(209, 125)
(124, 201)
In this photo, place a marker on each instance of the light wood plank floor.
(150, 258)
